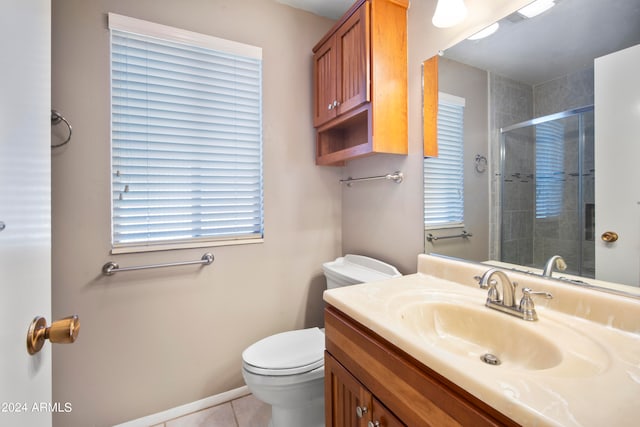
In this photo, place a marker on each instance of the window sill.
(184, 245)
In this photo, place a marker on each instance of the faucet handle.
(478, 279)
(527, 307)
(528, 292)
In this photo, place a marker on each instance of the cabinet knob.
(373, 424)
(609, 236)
(333, 105)
(361, 410)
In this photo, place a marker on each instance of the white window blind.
(443, 175)
(186, 136)
(549, 169)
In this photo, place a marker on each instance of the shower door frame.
(581, 145)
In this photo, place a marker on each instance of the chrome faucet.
(506, 302)
(556, 262)
(508, 288)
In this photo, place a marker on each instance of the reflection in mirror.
(547, 191)
(532, 83)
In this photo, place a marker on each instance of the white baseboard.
(179, 411)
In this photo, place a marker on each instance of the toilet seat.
(286, 353)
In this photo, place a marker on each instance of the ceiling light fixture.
(536, 8)
(486, 32)
(449, 13)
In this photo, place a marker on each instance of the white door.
(617, 164)
(25, 241)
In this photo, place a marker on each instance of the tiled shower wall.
(564, 93)
(511, 102)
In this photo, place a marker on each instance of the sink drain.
(490, 359)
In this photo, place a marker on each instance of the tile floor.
(246, 411)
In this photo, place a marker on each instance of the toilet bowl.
(286, 370)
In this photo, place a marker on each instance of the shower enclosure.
(547, 191)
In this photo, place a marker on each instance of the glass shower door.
(547, 192)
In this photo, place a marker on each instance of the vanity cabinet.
(364, 370)
(360, 83)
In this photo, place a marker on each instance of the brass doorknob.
(63, 331)
(609, 236)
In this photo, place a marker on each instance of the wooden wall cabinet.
(364, 370)
(341, 69)
(360, 83)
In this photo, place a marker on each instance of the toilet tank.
(352, 269)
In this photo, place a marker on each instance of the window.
(186, 138)
(549, 169)
(443, 175)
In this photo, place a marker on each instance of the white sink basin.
(473, 332)
(462, 327)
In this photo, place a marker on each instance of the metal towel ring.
(56, 118)
(481, 163)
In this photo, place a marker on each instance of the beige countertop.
(597, 383)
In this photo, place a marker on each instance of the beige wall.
(383, 219)
(156, 339)
(469, 83)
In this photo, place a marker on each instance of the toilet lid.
(286, 353)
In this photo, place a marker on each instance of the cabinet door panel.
(324, 76)
(353, 53)
(343, 395)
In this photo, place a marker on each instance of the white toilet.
(286, 370)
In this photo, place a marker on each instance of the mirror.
(542, 67)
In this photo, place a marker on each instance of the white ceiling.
(333, 9)
(564, 39)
